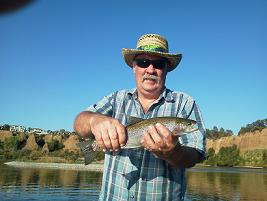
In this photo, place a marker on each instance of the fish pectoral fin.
(133, 120)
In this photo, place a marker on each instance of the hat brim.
(130, 54)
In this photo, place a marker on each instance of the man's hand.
(159, 140)
(109, 133)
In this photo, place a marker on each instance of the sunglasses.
(144, 63)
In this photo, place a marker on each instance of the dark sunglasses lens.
(159, 64)
(143, 63)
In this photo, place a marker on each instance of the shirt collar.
(166, 94)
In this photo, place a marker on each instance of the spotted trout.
(136, 129)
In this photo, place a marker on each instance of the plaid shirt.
(136, 174)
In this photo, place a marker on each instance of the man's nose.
(151, 69)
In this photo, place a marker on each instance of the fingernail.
(110, 149)
(104, 150)
(122, 145)
(158, 124)
(150, 127)
(141, 141)
(116, 149)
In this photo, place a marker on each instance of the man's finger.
(100, 143)
(149, 142)
(156, 137)
(113, 136)
(106, 140)
(121, 131)
(99, 140)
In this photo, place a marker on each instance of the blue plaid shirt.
(136, 174)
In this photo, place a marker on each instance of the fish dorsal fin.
(133, 120)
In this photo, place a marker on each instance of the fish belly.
(133, 142)
(134, 137)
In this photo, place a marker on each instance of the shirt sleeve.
(104, 106)
(197, 138)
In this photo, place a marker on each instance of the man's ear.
(134, 68)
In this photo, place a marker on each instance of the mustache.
(151, 77)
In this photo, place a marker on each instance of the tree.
(215, 128)
(229, 132)
(6, 127)
(255, 126)
(216, 133)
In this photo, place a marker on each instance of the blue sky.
(58, 57)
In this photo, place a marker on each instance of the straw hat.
(153, 44)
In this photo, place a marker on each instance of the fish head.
(184, 126)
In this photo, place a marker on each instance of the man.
(156, 172)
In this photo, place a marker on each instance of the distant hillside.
(256, 140)
(248, 149)
(247, 141)
(36, 141)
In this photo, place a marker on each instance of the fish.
(136, 128)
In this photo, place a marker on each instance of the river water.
(203, 184)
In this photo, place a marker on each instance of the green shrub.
(55, 145)
(8, 155)
(1, 145)
(23, 154)
(35, 155)
(254, 158)
(57, 153)
(100, 156)
(210, 157)
(13, 143)
(71, 156)
(40, 140)
(228, 156)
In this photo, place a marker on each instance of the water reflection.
(209, 184)
(10, 176)
(228, 183)
(18, 184)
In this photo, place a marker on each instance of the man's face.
(149, 79)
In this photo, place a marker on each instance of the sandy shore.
(98, 167)
(67, 166)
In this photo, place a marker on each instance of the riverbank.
(95, 166)
(98, 167)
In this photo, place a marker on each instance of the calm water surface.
(207, 184)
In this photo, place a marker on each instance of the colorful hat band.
(154, 48)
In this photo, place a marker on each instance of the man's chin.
(151, 86)
(151, 89)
